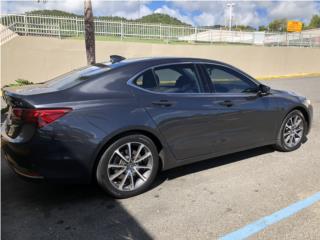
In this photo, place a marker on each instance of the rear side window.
(180, 78)
(73, 78)
(227, 81)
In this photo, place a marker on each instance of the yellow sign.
(294, 26)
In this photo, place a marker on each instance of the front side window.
(226, 81)
(180, 78)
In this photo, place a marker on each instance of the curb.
(289, 76)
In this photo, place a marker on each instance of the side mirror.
(264, 90)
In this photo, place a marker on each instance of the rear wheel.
(128, 167)
(292, 132)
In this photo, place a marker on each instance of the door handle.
(226, 103)
(163, 103)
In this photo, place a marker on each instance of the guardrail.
(6, 33)
(54, 26)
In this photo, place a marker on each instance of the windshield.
(73, 78)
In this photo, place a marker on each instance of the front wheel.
(128, 166)
(292, 132)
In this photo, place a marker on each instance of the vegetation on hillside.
(277, 25)
(314, 22)
(280, 25)
(161, 18)
(52, 13)
(152, 18)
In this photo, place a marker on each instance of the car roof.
(135, 65)
(161, 60)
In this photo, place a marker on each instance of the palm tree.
(89, 32)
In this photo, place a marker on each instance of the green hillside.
(52, 13)
(161, 18)
(152, 18)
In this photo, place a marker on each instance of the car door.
(182, 108)
(249, 119)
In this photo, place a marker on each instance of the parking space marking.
(264, 222)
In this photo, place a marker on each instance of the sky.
(196, 12)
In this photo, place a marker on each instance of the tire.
(283, 138)
(137, 171)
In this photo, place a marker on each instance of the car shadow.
(47, 211)
(211, 163)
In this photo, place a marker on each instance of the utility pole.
(230, 6)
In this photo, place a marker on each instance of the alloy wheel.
(130, 166)
(293, 131)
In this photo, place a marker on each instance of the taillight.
(40, 117)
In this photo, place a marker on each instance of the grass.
(19, 82)
(156, 41)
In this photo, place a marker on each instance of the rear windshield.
(73, 78)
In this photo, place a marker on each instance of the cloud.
(129, 9)
(294, 10)
(252, 13)
(174, 12)
(200, 13)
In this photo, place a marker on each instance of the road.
(205, 200)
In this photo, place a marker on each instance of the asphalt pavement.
(205, 200)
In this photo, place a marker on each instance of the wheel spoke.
(143, 167)
(138, 152)
(288, 126)
(286, 134)
(298, 122)
(129, 151)
(143, 157)
(292, 140)
(117, 174)
(120, 155)
(116, 166)
(139, 174)
(131, 181)
(287, 139)
(123, 181)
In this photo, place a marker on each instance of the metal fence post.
(121, 30)
(196, 33)
(160, 31)
(59, 31)
(77, 28)
(25, 25)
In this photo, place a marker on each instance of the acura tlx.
(121, 122)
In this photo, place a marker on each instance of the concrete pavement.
(204, 200)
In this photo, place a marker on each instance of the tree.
(262, 28)
(315, 22)
(278, 25)
(89, 32)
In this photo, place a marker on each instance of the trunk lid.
(13, 125)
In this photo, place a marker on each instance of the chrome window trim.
(130, 81)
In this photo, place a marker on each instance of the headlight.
(307, 102)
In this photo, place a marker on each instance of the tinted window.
(227, 81)
(73, 78)
(179, 78)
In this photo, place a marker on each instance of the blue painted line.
(264, 222)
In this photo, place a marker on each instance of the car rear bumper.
(21, 171)
(40, 160)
